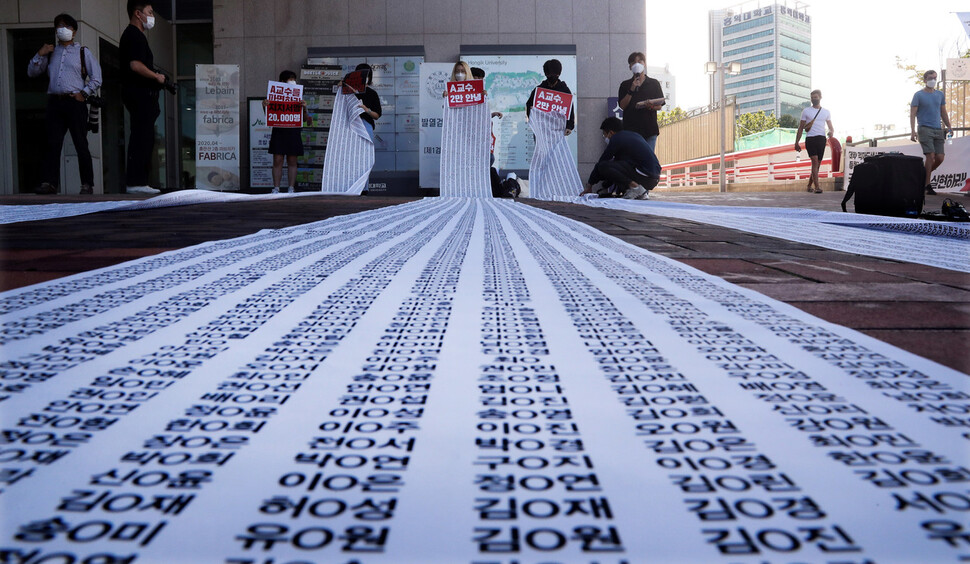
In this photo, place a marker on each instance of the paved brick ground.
(922, 309)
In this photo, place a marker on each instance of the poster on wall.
(952, 176)
(260, 161)
(217, 127)
(509, 79)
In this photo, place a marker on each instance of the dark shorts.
(816, 146)
(286, 141)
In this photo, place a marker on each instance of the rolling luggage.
(888, 184)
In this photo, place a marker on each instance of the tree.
(669, 117)
(914, 74)
(755, 122)
(788, 121)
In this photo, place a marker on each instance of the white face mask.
(291, 82)
(931, 83)
(637, 68)
(606, 140)
(65, 34)
(150, 22)
(459, 76)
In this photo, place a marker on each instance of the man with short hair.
(140, 87)
(813, 122)
(929, 105)
(628, 167)
(640, 98)
(74, 75)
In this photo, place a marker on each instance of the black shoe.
(930, 190)
(46, 189)
(87, 189)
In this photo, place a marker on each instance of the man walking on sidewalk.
(929, 105)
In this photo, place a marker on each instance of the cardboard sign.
(284, 104)
(466, 93)
(553, 102)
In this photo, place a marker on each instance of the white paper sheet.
(553, 173)
(465, 140)
(462, 380)
(350, 152)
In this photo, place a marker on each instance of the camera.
(169, 84)
(94, 113)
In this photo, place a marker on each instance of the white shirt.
(818, 128)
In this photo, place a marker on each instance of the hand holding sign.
(554, 102)
(284, 105)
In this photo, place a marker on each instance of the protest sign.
(466, 93)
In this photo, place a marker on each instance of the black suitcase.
(888, 184)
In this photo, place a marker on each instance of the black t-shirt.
(560, 86)
(134, 47)
(373, 102)
(643, 121)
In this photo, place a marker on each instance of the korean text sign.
(466, 93)
(553, 102)
(284, 104)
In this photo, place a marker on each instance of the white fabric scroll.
(553, 173)
(350, 152)
(465, 139)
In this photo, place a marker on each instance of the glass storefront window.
(187, 133)
(194, 46)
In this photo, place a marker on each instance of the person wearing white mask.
(929, 105)
(640, 97)
(287, 143)
(74, 75)
(140, 87)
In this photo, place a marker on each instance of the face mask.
(65, 34)
(291, 82)
(459, 76)
(931, 83)
(150, 22)
(606, 140)
(637, 68)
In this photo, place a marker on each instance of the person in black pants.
(628, 167)
(140, 87)
(640, 98)
(74, 75)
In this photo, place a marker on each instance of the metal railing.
(768, 164)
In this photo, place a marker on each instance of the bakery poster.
(217, 127)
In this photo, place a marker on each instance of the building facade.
(773, 43)
(266, 36)
(668, 82)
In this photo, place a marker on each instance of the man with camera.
(140, 87)
(74, 77)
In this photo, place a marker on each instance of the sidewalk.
(918, 308)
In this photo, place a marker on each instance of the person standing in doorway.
(640, 98)
(813, 121)
(140, 88)
(74, 76)
(929, 106)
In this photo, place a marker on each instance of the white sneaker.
(645, 196)
(634, 193)
(141, 190)
(276, 190)
(290, 190)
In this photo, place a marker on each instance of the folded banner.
(465, 141)
(350, 151)
(553, 173)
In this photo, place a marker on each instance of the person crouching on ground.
(628, 166)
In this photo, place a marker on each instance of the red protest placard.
(354, 82)
(466, 93)
(284, 105)
(554, 102)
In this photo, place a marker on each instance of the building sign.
(466, 93)
(217, 127)
(952, 176)
(766, 11)
(553, 102)
(284, 104)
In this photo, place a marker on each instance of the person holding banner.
(286, 142)
(359, 83)
(552, 69)
(465, 136)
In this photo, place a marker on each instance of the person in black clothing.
(369, 100)
(286, 143)
(628, 167)
(552, 69)
(140, 87)
(640, 97)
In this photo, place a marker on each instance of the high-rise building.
(773, 43)
(668, 83)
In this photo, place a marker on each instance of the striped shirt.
(64, 68)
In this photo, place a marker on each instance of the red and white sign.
(466, 93)
(553, 102)
(284, 105)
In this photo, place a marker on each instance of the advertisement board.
(952, 176)
(217, 127)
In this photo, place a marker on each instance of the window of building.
(793, 55)
(750, 48)
(740, 83)
(750, 37)
(193, 30)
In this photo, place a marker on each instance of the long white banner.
(461, 380)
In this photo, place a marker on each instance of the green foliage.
(788, 121)
(669, 117)
(755, 122)
(914, 74)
